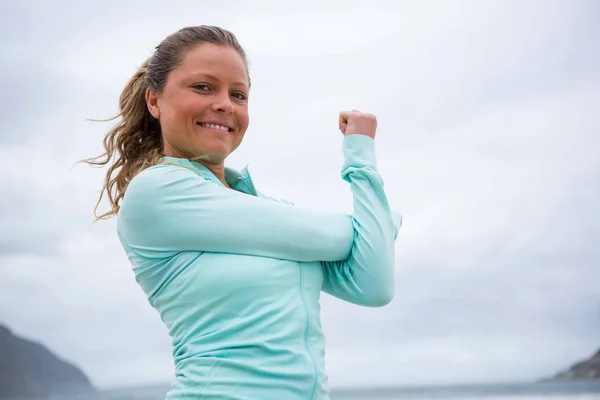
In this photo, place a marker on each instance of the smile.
(222, 128)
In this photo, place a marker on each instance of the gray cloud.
(488, 144)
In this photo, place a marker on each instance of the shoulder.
(161, 177)
(163, 173)
(154, 193)
(156, 183)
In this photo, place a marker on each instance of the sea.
(552, 390)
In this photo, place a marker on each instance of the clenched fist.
(354, 122)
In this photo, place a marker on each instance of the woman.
(236, 275)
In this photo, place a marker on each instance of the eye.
(240, 96)
(203, 87)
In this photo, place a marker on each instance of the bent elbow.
(382, 300)
(381, 297)
(386, 289)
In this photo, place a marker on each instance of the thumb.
(344, 116)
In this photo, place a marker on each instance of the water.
(582, 390)
(538, 391)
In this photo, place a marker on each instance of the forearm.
(367, 276)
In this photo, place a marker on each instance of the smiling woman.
(203, 107)
(235, 275)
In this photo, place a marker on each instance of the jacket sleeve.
(366, 277)
(167, 209)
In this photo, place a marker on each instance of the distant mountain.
(587, 369)
(28, 369)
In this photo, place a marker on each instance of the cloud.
(488, 144)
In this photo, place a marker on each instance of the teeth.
(215, 126)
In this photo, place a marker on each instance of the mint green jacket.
(236, 276)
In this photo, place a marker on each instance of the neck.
(217, 170)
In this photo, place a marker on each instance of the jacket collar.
(238, 180)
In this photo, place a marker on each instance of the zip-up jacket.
(236, 275)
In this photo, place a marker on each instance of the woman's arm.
(367, 276)
(169, 209)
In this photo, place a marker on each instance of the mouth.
(214, 126)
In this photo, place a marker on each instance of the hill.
(29, 369)
(586, 369)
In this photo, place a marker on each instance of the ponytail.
(134, 144)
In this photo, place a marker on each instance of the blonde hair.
(135, 143)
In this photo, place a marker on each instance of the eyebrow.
(214, 78)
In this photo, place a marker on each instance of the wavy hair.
(135, 143)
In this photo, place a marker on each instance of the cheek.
(244, 119)
(180, 107)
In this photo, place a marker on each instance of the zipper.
(307, 333)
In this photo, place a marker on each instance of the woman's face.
(203, 108)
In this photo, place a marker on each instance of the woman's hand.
(355, 122)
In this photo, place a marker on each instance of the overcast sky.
(488, 143)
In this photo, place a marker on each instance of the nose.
(222, 103)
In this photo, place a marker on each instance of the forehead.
(223, 62)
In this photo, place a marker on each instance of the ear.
(152, 103)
